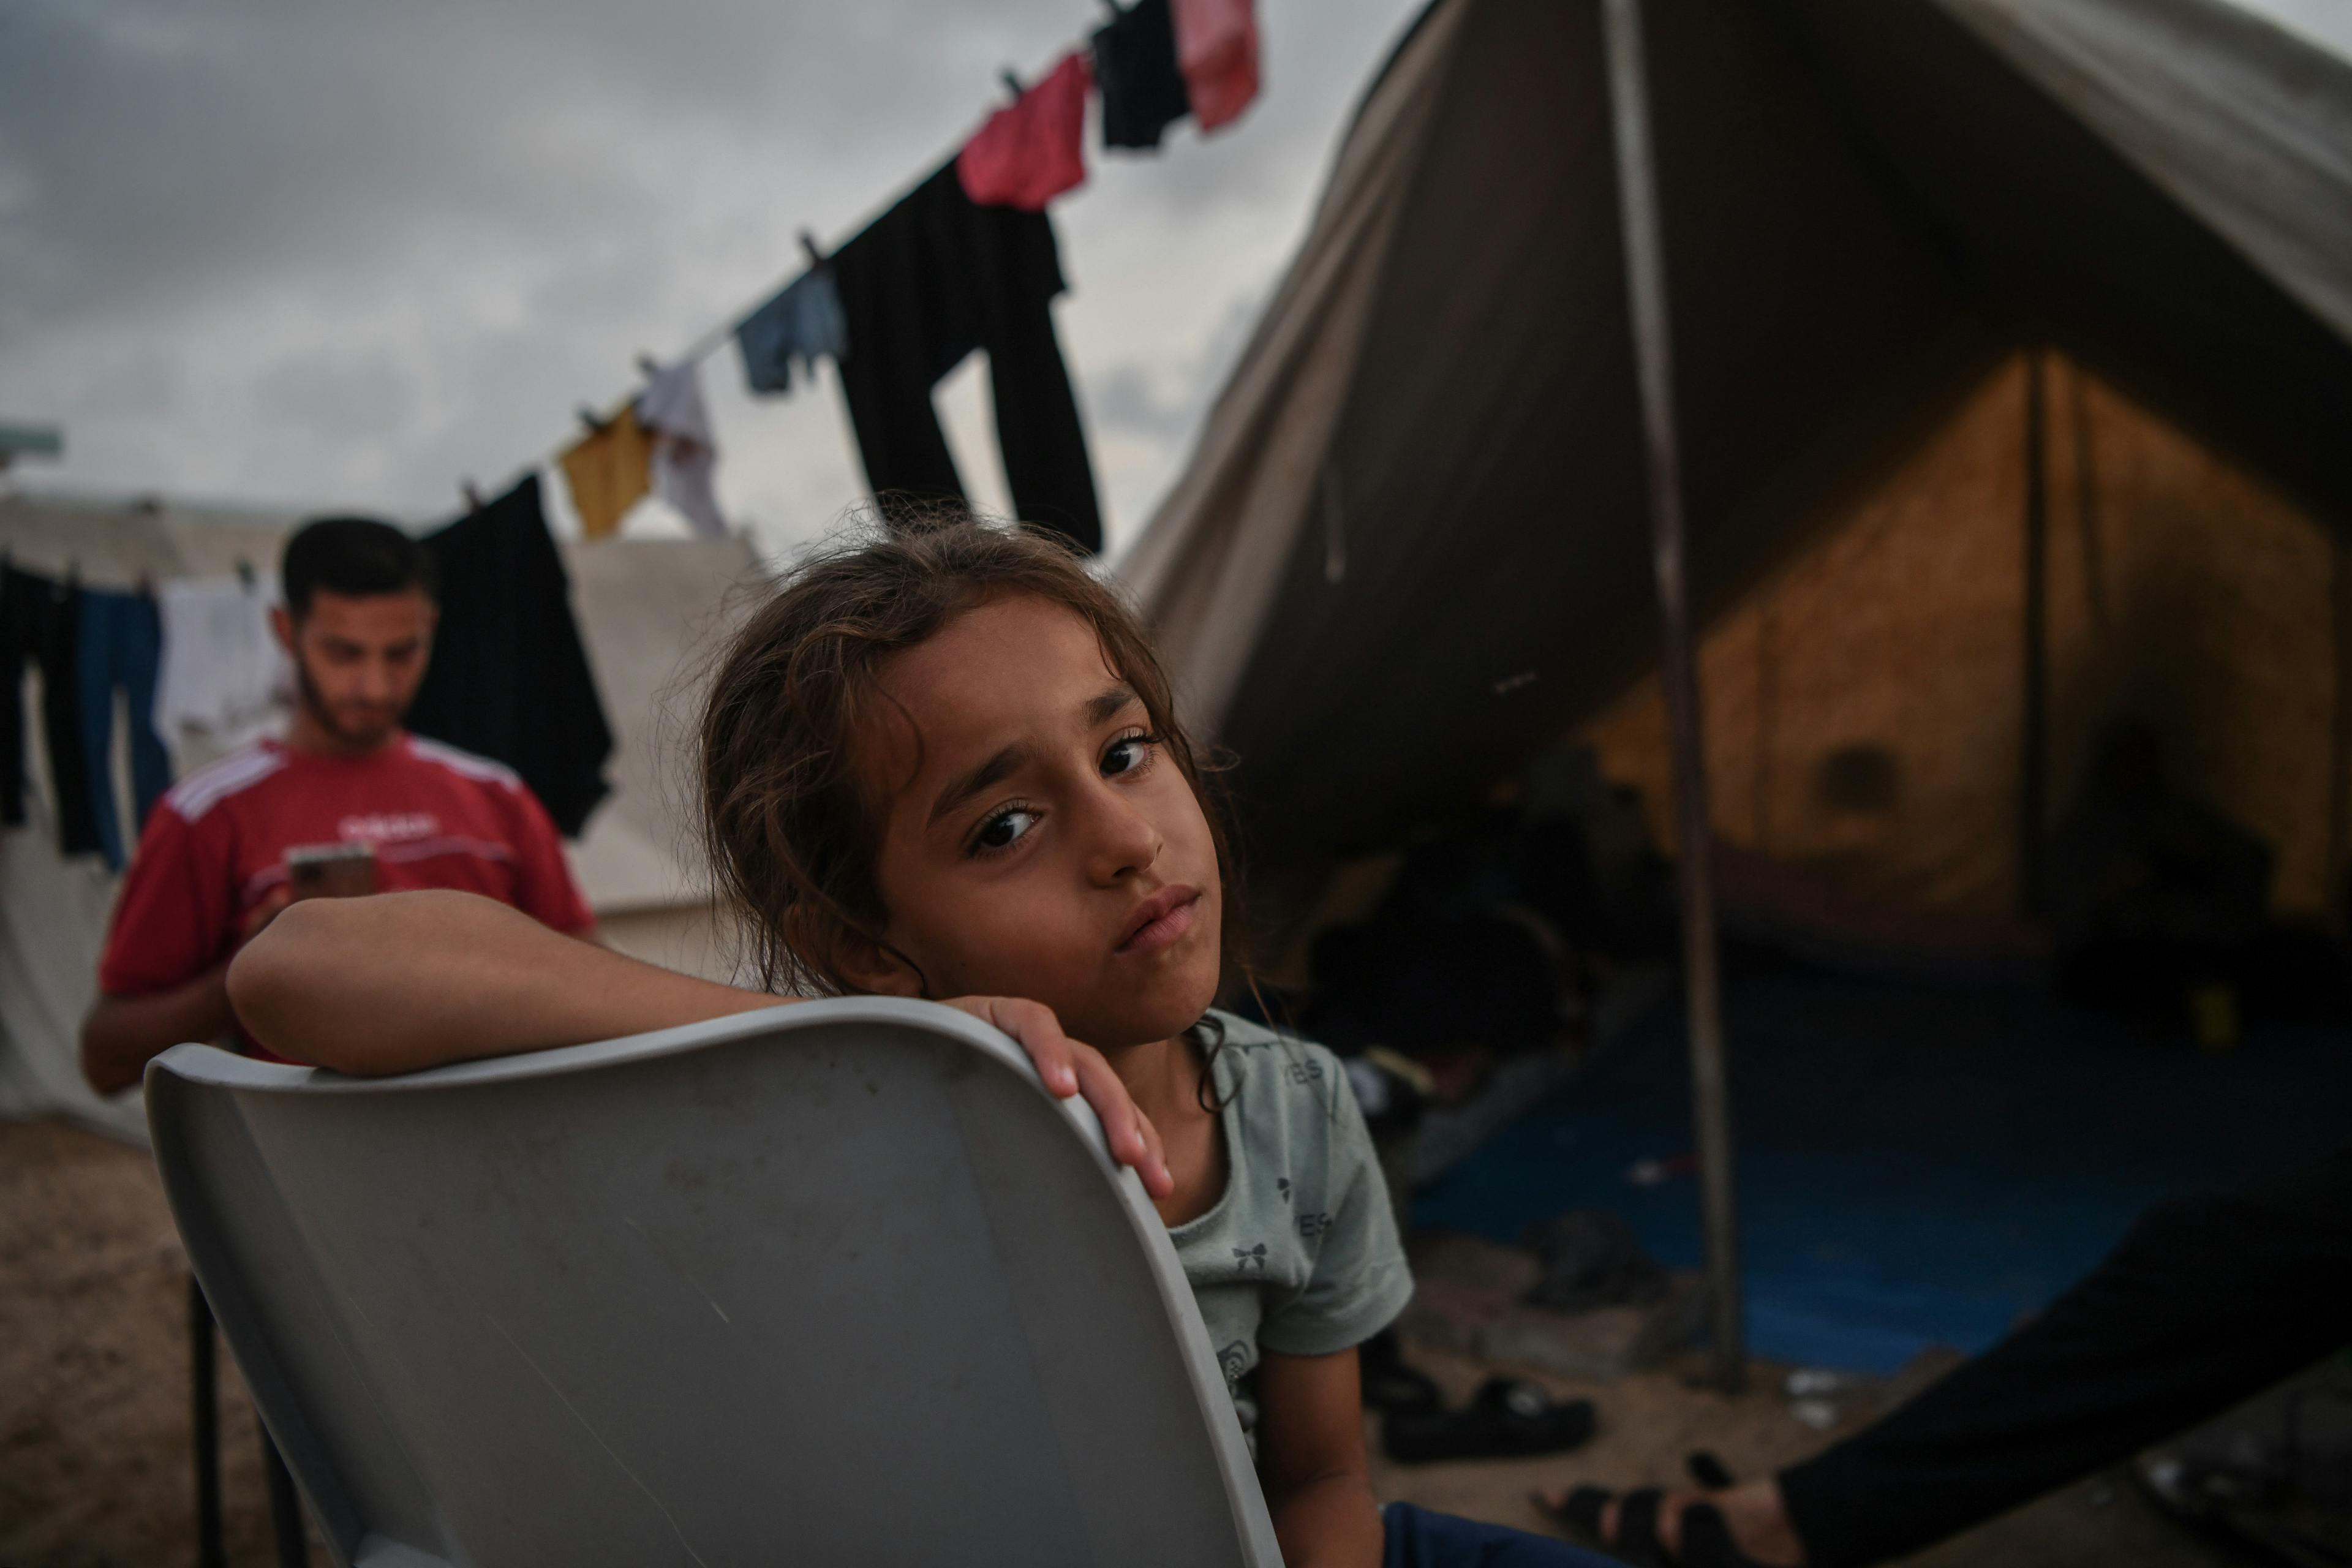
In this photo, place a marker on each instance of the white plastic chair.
(831, 1283)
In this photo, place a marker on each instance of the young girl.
(942, 762)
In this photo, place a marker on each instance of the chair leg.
(206, 1407)
(285, 1508)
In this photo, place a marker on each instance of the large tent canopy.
(1411, 550)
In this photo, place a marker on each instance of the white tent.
(1410, 550)
(647, 611)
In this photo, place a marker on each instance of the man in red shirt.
(211, 868)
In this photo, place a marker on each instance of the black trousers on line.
(40, 623)
(2207, 1301)
(925, 283)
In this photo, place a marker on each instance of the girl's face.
(1037, 840)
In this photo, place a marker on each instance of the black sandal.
(1508, 1417)
(1706, 1539)
(1390, 1384)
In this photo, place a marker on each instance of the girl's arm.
(1310, 1446)
(404, 981)
(400, 982)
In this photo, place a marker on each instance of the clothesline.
(717, 337)
(711, 341)
(1229, 104)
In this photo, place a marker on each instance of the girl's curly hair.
(792, 837)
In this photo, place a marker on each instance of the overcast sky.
(348, 253)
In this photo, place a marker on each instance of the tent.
(647, 610)
(1409, 551)
(1412, 548)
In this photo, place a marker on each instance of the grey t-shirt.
(1300, 1254)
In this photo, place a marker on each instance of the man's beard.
(323, 716)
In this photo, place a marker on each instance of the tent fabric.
(651, 612)
(1210, 563)
(1411, 546)
(53, 913)
(1866, 701)
(2242, 122)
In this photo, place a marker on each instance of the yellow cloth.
(608, 472)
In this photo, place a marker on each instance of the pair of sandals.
(1508, 1417)
(1706, 1539)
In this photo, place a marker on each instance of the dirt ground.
(94, 1411)
(95, 1466)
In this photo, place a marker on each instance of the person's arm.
(121, 1033)
(401, 982)
(124, 1031)
(1310, 1445)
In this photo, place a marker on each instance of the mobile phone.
(341, 871)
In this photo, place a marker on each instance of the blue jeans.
(122, 645)
(1419, 1539)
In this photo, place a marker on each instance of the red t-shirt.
(216, 843)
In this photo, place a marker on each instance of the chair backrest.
(836, 1282)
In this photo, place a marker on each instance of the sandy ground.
(94, 1411)
(95, 1462)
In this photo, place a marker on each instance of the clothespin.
(1013, 84)
(817, 260)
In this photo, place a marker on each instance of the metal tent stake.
(1645, 284)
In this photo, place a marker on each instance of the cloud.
(349, 253)
(1129, 399)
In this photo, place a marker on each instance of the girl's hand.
(1071, 1066)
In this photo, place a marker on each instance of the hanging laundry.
(1216, 45)
(24, 615)
(1136, 70)
(119, 643)
(801, 323)
(927, 282)
(40, 624)
(1028, 154)
(684, 457)
(223, 672)
(608, 471)
(509, 679)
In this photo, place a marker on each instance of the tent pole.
(1645, 283)
(2339, 750)
(2032, 808)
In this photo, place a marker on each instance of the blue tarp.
(1917, 1166)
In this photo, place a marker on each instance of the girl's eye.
(1128, 754)
(1004, 830)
